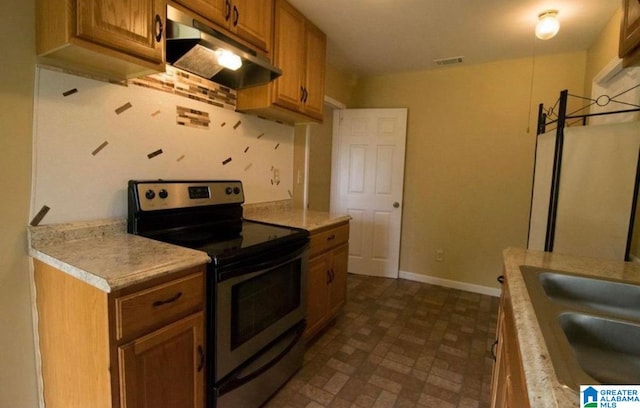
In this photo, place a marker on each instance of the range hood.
(199, 49)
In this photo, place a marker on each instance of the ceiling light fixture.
(548, 25)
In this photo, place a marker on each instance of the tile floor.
(399, 343)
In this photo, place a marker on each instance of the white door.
(367, 184)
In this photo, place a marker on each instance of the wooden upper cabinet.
(133, 27)
(630, 33)
(250, 20)
(288, 56)
(315, 56)
(299, 51)
(106, 38)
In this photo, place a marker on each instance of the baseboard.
(469, 287)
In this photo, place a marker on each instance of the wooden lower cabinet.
(164, 368)
(327, 280)
(508, 386)
(95, 354)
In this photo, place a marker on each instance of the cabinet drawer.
(145, 310)
(325, 240)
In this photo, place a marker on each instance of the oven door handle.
(249, 372)
(282, 257)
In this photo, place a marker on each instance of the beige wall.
(17, 363)
(339, 85)
(320, 141)
(469, 158)
(603, 51)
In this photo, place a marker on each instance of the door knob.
(396, 205)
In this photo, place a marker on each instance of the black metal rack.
(557, 115)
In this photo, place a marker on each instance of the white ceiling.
(385, 36)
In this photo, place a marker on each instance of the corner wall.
(18, 386)
(469, 158)
(603, 50)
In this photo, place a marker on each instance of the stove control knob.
(163, 194)
(150, 194)
(228, 190)
(236, 190)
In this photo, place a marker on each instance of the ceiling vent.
(449, 61)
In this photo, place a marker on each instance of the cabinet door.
(317, 283)
(252, 20)
(338, 286)
(134, 27)
(288, 55)
(218, 11)
(315, 47)
(164, 369)
(630, 28)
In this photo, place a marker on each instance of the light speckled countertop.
(102, 254)
(294, 217)
(543, 386)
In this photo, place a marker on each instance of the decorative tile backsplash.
(183, 83)
(91, 137)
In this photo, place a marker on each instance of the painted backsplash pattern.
(91, 137)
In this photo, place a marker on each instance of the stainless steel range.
(256, 304)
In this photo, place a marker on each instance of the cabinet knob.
(396, 205)
(159, 28)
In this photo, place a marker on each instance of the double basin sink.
(591, 326)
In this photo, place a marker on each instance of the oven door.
(257, 303)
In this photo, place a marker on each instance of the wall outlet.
(439, 255)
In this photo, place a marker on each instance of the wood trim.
(74, 340)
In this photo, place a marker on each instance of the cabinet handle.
(328, 277)
(331, 237)
(236, 16)
(159, 28)
(301, 94)
(306, 95)
(493, 350)
(501, 279)
(200, 358)
(227, 10)
(172, 299)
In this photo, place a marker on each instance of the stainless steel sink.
(607, 350)
(591, 326)
(610, 297)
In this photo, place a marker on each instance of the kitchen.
(472, 198)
